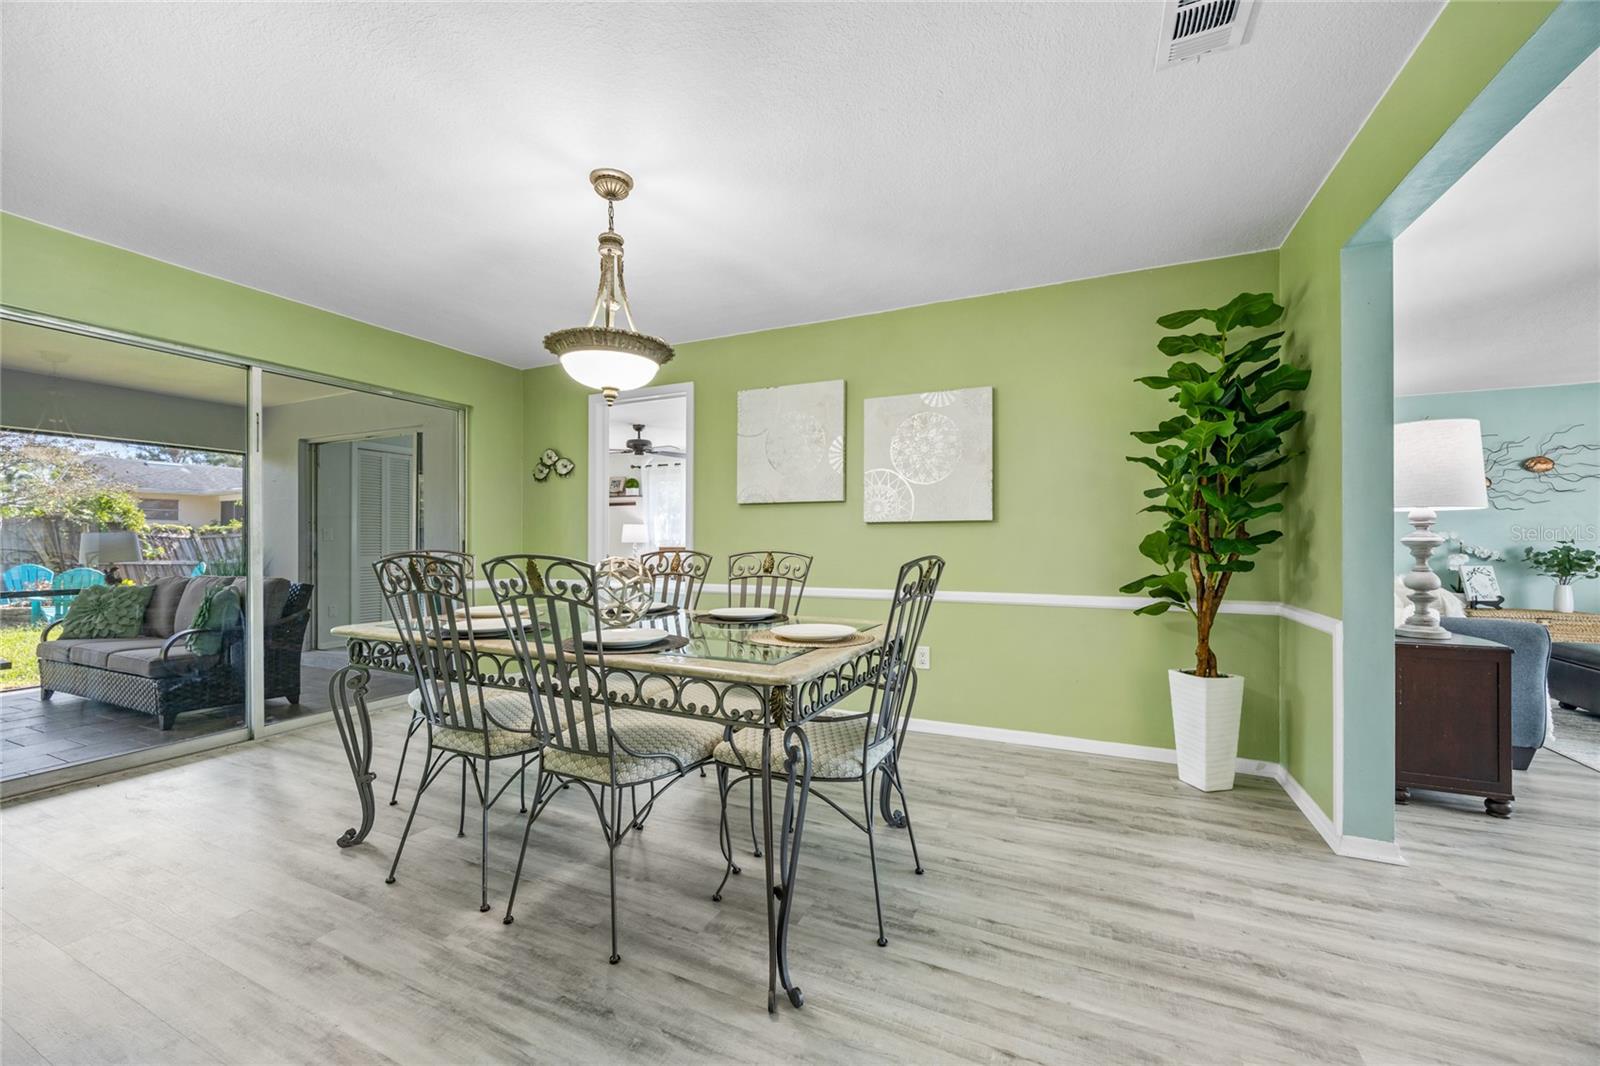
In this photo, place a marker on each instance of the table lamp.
(633, 535)
(1438, 466)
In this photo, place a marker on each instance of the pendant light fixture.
(602, 355)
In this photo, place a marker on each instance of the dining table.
(732, 673)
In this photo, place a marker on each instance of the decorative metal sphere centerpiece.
(623, 591)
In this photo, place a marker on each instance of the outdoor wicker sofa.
(157, 673)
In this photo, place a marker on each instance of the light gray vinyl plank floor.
(1076, 909)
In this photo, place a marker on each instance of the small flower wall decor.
(550, 461)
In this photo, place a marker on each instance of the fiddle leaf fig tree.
(1213, 458)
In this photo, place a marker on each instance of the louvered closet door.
(384, 518)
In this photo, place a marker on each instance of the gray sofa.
(158, 674)
(1530, 669)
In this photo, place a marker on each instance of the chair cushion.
(510, 726)
(835, 749)
(653, 736)
(106, 612)
(1577, 654)
(163, 606)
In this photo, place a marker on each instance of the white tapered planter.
(1564, 599)
(1205, 723)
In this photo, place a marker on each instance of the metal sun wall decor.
(551, 461)
(1522, 473)
(791, 443)
(929, 457)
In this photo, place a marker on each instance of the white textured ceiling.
(423, 166)
(1497, 285)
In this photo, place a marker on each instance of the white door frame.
(600, 450)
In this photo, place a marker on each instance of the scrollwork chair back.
(896, 687)
(428, 593)
(775, 579)
(565, 679)
(677, 575)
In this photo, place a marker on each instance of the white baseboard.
(1386, 851)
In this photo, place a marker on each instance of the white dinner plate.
(624, 638)
(742, 614)
(491, 611)
(661, 607)
(481, 627)
(814, 631)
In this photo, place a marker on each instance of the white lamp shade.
(103, 549)
(1438, 465)
(599, 368)
(634, 533)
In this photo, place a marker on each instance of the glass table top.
(721, 641)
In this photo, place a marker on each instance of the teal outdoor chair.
(26, 576)
(79, 577)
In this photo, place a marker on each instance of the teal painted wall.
(1510, 526)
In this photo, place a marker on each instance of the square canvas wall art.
(791, 443)
(930, 457)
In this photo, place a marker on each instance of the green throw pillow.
(218, 612)
(105, 612)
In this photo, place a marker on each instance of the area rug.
(1576, 735)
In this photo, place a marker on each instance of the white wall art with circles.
(791, 443)
(930, 457)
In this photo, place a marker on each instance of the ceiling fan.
(640, 446)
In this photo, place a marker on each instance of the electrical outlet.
(922, 662)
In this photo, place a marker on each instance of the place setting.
(746, 616)
(811, 635)
(628, 639)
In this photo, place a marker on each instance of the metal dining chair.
(775, 579)
(584, 740)
(864, 747)
(418, 719)
(677, 575)
(425, 593)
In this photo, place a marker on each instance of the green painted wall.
(1062, 360)
(58, 273)
(1465, 49)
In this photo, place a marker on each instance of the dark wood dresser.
(1452, 719)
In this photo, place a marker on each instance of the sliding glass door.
(122, 629)
(347, 477)
(217, 521)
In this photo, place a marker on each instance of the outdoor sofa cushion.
(194, 594)
(162, 610)
(218, 612)
(106, 611)
(274, 594)
(139, 655)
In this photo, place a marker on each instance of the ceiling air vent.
(1193, 28)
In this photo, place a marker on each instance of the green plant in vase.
(1212, 460)
(1566, 562)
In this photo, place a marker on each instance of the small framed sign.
(617, 485)
(1480, 586)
